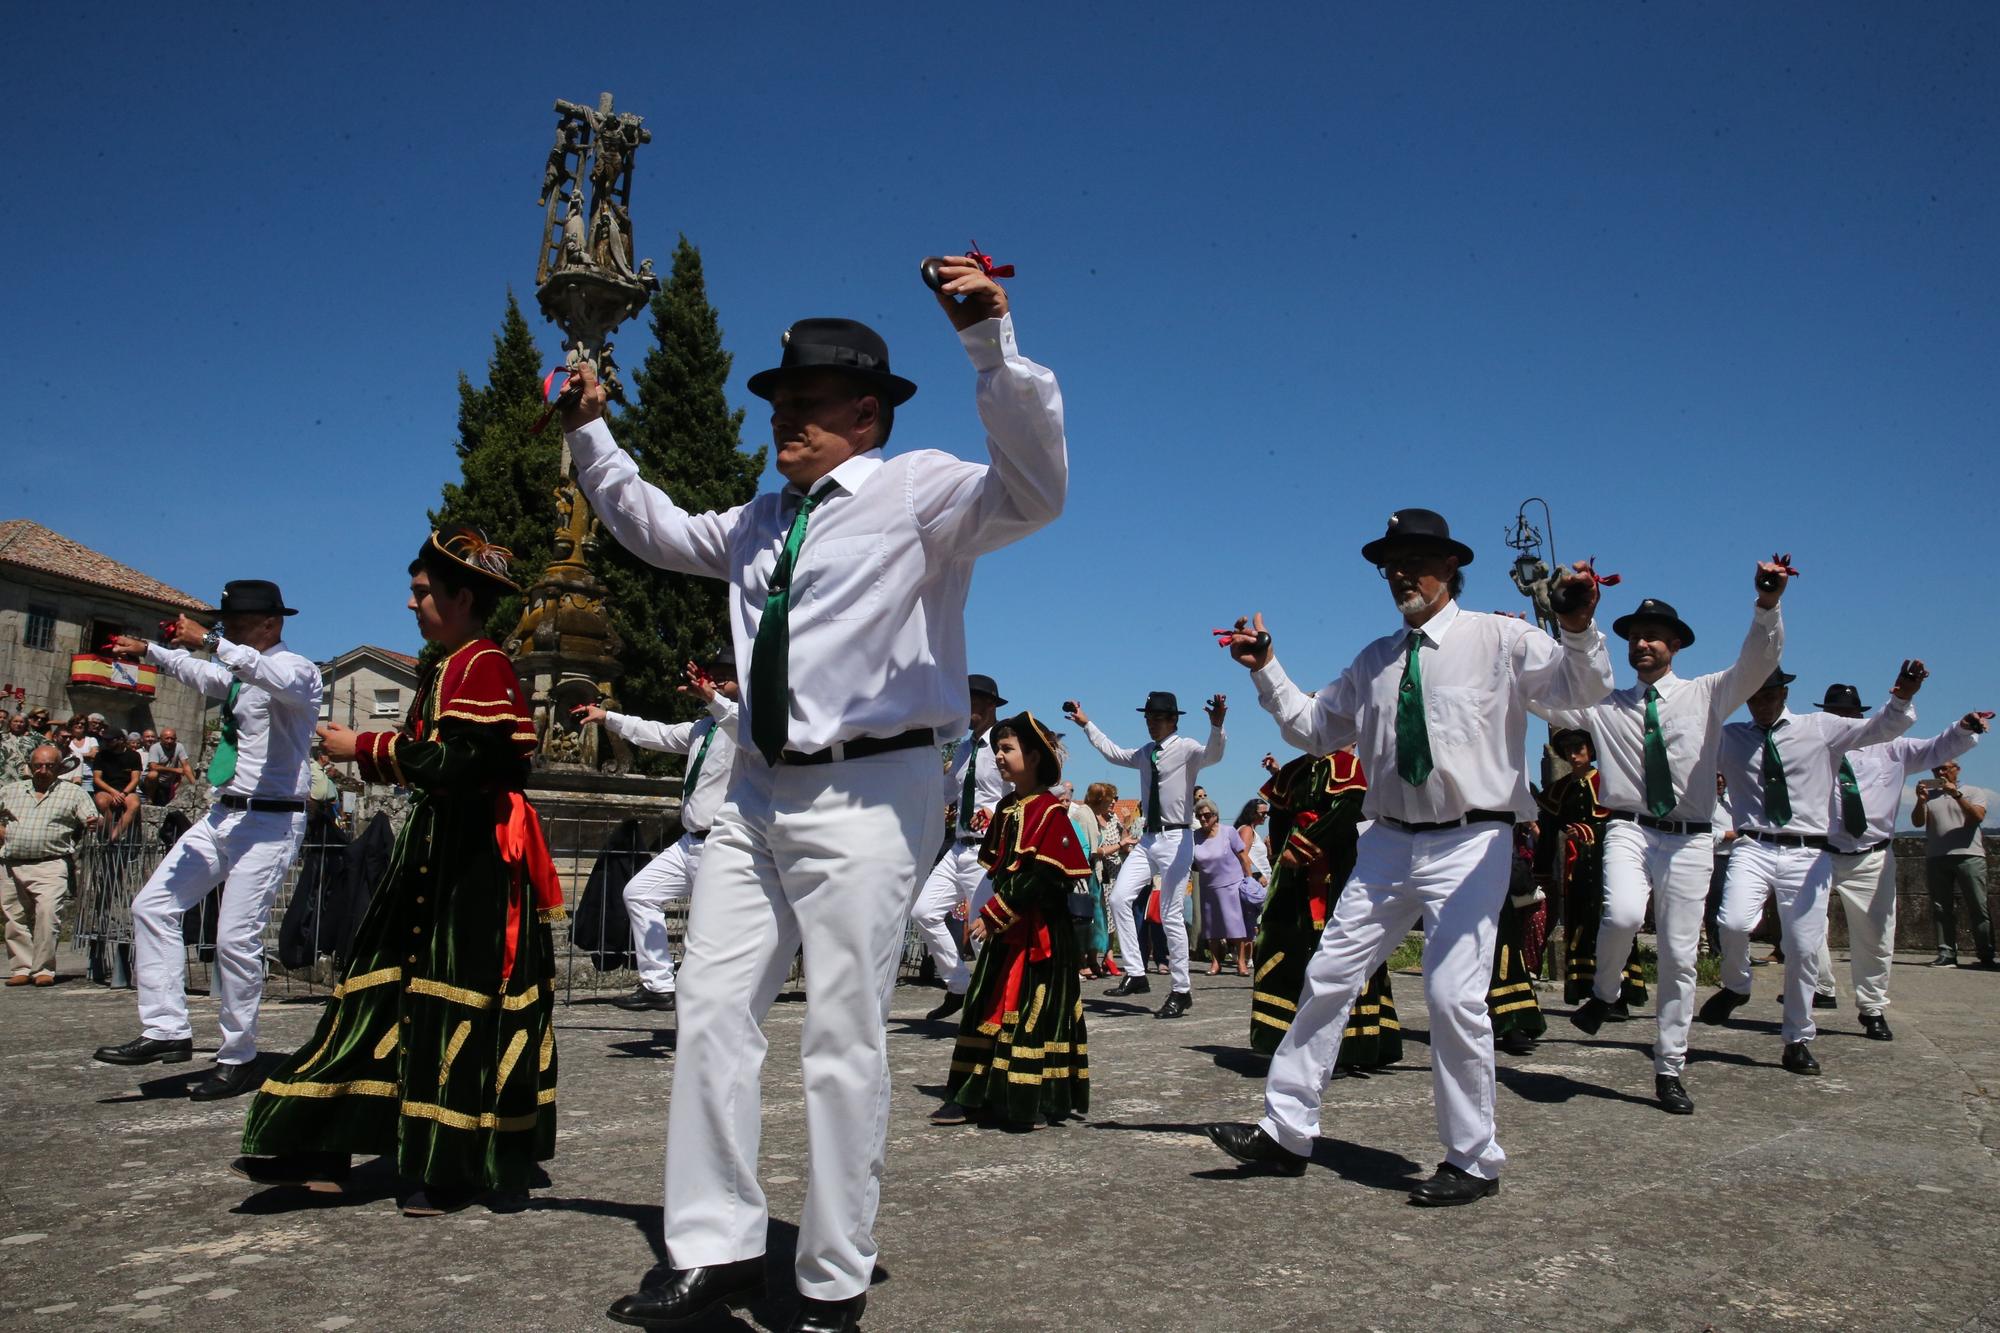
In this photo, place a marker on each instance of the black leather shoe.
(1719, 1006)
(1876, 1028)
(1515, 1043)
(147, 1051)
(950, 1005)
(1250, 1145)
(225, 1081)
(1130, 985)
(828, 1316)
(320, 1172)
(1825, 1001)
(1799, 1058)
(1451, 1186)
(1674, 1099)
(1618, 1011)
(1945, 958)
(689, 1294)
(644, 1000)
(1590, 1015)
(1178, 1003)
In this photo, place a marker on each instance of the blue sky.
(1714, 279)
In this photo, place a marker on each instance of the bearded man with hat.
(1168, 765)
(260, 774)
(847, 595)
(1780, 769)
(972, 783)
(1860, 835)
(709, 742)
(1656, 742)
(1437, 713)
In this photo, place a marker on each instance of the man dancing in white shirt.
(710, 744)
(972, 782)
(1168, 765)
(1437, 713)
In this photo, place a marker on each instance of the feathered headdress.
(468, 548)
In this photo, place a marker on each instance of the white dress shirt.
(987, 788)
(1181, 760)
(877, 613)
(275, 712)
(1479, 670)
(698, 807)
(1692, 715)
(1879, 771)
(1810, 744)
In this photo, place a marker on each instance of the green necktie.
(1777, 796)
(967, 797)
(222, 766)
(1413, 737)
(770, 684)
(1154, 823)
(694, 769)
(1659, 777)
(1853, 817)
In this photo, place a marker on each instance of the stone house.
(367, 688)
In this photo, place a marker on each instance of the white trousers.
(956, 878)
(666, 877)
(1798, 878)
(1673, 869)
(1453, 880)
(1867, 885)
(825, 858)
(1168, 854)
(247, 852)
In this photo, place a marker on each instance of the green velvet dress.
(438, 1050)
(1022, 1053)
(1510, 996)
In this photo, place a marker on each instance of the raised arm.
(1573, 674)
(287, 677)
(1763, 648)
(670, 737)
(1316, 723)
(1921, 756)
(1116, 754)
(1211, 753)
(643, 519)
(197, 673)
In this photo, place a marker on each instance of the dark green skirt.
(1022, 1052)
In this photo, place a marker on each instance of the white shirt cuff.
(990, 342)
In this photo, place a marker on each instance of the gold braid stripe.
(444, 713)
(515, 1045)
(395, 764)
(472, 999)
(1262, 997)
(386, 1045)
(1035, 1009)
(1279, 1023)
(548, 1051)
(1510, 1008)
(1272, 962)
(324, 1046)
(521, 1001)
(450, 1119)
(380, 977)
(363, 1087)
(452, 1048)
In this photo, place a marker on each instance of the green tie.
(967, 797)
(1659, 777)
(1853, 817)
(770, 684)
(1777, 796)
(1413, 737)
(694, 769)
(1154, 823)
(222, 766)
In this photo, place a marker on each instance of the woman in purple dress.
(1223, 863)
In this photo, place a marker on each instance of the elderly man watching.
(15, 747)
(168, 765)
(41, 822)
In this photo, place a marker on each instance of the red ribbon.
(1601, 580)
(1784, 562)
(986, 264)
(548, 384)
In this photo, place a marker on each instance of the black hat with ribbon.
(1162, 701)
(978, 684)
(1652, 608)
(1777, 680)
(253, 597)
(844, 345)
(1419, 528)
(1843, 697)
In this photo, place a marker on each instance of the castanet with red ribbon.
(1771, 580)
(932, 268)
(571, 391)
(1566, 597)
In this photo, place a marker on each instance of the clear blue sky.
(1714, 279)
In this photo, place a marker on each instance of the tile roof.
(31, 546)
(393, 655)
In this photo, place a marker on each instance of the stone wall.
(1915, 931)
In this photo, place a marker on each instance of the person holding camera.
(1167, 766)
(847, 594)
(1955, 860)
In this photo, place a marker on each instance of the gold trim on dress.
(386, 1045)
(452, 1048)
(1269, 963)
(451, 1119)
(379, 977)
(515, 1045)
(472, 999)
(360, 1087)
(331, 1029)
(548, 1051)
(522, 1000)
(1265, 997)
(1035, 1008)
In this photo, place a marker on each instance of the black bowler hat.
(1653, 609)
(253, 597)
(1416, 527)
(1843, 696)
(1162, 701)
(1776, 680)
(978, 684)
(1569, 738)
(845, 345)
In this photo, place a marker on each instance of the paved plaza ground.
(1861, 1200)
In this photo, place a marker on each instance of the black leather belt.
(34, 860)
(1665, 825)
(1169, 828)
(1470, 817)
(1817, 841)
(271, 804)
(1862, 851)
(861, 747)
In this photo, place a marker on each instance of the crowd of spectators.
(117, 770)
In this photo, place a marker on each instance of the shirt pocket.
(841, 577)
(1456, 715)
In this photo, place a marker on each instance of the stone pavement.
(1860, 1200)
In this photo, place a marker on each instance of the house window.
(388, 703)
(41, 631)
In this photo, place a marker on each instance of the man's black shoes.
(225, 1081)
(948, 1006)
(690, 1293)
(1250, 1145)
(1825, 1001)
(1515, 1043)
(1798, 1058)
(1130, 985)
(1719, 1006)
(1945, 958)
(645, 1000)
(1876, 1028)
(147, 1051)
(1674, 1099)
(1451, 1186)
(828, 1316)
(320, 1172)
(1178, 1003)
(1590, 1015)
